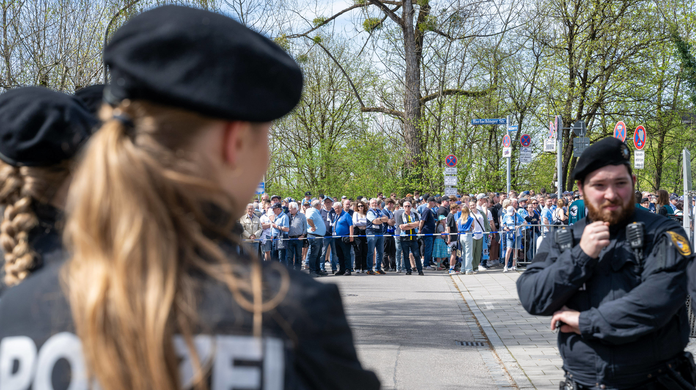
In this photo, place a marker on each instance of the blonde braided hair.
(19, 188)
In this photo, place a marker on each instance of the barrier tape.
(517, 230)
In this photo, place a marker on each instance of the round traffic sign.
(640, 137)
(451, 160)
(525, 140)
(552, 130)
(506, 141)
(620, 131)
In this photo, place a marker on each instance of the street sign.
(552, 130)
(640, 137)
(507, 142)
(579, 145)
(449, 191)
(450, 180)
(525, 140)
(507, 152)
(525, 155)
(620, 131)
(550, 145)
(559, 123)
(450, 171)
(261, 188)
(639, 159)
(579, 128)
(494, 121)
(451, 160)
(513, 127)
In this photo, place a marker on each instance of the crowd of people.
(465, 234)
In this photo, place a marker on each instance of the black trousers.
(343, 253)
(360, 250)
(389, 259)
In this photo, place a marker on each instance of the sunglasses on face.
(407, 206)
(360, 206)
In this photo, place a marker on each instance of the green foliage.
(317, 39)
(429, 24)
(318, 21)
(688, 63)
(283, 42)
(372, 24)
(360, 2)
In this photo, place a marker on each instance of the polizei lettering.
(236, 362)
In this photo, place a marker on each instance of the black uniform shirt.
(306, 342)
(631, 321)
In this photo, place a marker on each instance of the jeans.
(372, 243)
(412, 247)
(254, 247)
(294, 259)
(279, 253)
(352, 257)
(313, 254)
(427, 250)
(399, 255)
(467, 252)
(328, 240)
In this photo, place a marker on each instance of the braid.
(20, 187)
(18, 220)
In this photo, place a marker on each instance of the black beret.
(608, 151)
(40, 127)
(204, 62)
(92, 97)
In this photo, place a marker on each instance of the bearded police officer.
(615, 284)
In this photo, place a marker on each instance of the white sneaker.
(452, 271)
(399, 271)
(505, 269)
(481, 269)
(469, 272)
(514, 268)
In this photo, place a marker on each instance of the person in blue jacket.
(619, 303)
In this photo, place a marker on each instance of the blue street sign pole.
(508, 162)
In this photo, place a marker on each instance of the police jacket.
(632, 319)
(45, 239)
(306, 341)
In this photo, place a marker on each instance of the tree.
(414, 20)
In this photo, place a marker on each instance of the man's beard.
(614, 217)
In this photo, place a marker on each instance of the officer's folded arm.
(553, 278)
(646, 308)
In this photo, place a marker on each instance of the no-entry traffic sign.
(620, 131)
(451, 160)
(525, 140)
(640, 137)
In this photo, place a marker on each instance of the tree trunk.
(412, 106)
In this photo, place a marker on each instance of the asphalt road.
(410, 331)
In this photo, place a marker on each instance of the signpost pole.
(559, 156)
(508, 159)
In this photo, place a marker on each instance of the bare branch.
(355, 90)
(388, 12)
(446, 35)
(453, 92)
(328, 20)
(383, 110)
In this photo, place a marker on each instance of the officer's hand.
(569, 318)
(595, 238)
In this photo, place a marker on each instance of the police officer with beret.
(615, 284)
(156, 293)
(40, 132)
